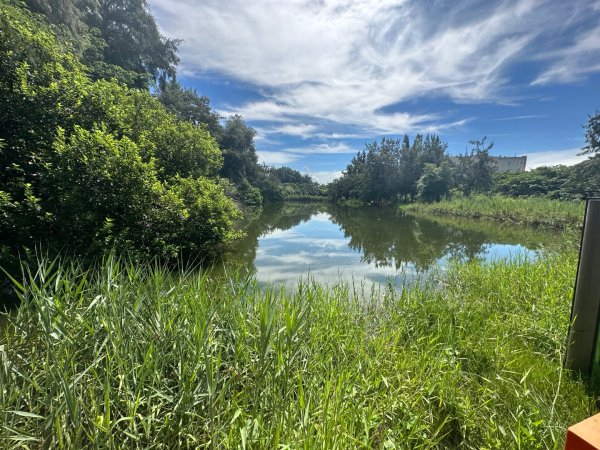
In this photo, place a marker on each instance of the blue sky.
(319, 78)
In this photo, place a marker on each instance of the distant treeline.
(102, 147)
(393, 170)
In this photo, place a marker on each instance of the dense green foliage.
(90, 163)
(138, 357)
(592, 134)
(528, 211)
(186, 104)
(394, 170)
(94, 164)
(560, 182)
(115, 38)
(289, 184)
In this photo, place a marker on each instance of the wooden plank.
(585, 435)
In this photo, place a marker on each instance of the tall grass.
(537, 211)
(139, 357)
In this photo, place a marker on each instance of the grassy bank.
(139, 358)
(537, 211)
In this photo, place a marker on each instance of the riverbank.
(139, 357)
(535, 211)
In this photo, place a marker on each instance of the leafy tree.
(543, 181)
(60, 12)
(475, 170)
(208, 217)
(382, 170)
(239, 154)
(179, 147)
(290, 184)
(351, 183)
(409, 168)
(100, 189)
(587, 173)
(270, 188)
(592, 134)
(436, 182)
(40, 88)
(433, 150)
(95, 164)
(133, 39)
(584, 179)
(188, 105)
(116, 38)
(389, 170)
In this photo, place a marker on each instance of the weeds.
(537, 211)
(128, 356)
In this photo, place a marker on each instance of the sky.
(317, 79)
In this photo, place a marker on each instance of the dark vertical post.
(586, 301)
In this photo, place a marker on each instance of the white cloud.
(290, 129)
(309, 131)
(324, 177)
(567, 157)
(276, 158)
(338, 147)
(524, 117)
(575, 61)
(344, 61)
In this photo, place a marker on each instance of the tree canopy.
(390, 170)
(95, 164)
(117, 38)
(592, 134)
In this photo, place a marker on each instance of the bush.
(94, 165)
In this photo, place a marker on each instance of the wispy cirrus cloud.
(338, 147)
(524, 117)
(276, 158)
(574, 61)
(342, 69)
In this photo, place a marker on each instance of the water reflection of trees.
(387, 237)
(260, 222)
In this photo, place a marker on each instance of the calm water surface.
(370, 244)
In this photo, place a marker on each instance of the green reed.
(537, 211)
(129, 356)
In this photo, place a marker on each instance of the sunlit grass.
(138, 357)
(536, 211)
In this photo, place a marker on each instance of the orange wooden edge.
(584, 435)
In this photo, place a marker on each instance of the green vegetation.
(134, 356)
(535, 211)
(101, 148)
(560, 182)
(394, 171)
(92, 162)
(95, 164)
(391, 170)
(115, 39)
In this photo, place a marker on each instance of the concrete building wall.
(510, 164)
(504, 163)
